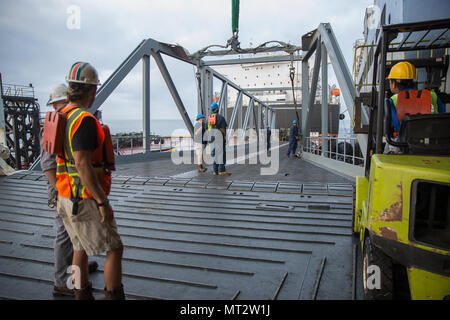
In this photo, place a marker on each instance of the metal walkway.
(187, 239)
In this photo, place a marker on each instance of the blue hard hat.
(199, 116)
(214, 106)
(295, 121)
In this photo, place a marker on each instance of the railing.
(134, 145)
(162, 144)
(340, 149)
(17, 90)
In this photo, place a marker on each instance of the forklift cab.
(402, 204)
(420, 134)
(425, 134)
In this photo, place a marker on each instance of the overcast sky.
(38, 47)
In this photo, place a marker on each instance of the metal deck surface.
(190, 239)
(289, 169)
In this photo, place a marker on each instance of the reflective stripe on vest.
(71, 120)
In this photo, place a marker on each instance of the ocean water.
(160, 127)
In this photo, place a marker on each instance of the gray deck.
(199, 237)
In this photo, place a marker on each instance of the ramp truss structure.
(258, 114)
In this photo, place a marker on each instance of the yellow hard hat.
(402, 70)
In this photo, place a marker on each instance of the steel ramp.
(187, 239)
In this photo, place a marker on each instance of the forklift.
(402, 204)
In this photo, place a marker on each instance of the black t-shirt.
(221, 123)
(85, 138)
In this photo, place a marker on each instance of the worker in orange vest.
(218, 123)
(83, 183)
(406, 99)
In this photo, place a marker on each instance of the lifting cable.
(233, 45)
(234, 16)
(199, 83)
(233, 41)
(292, 76)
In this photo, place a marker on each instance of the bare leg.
(113, 269)
(80, 259)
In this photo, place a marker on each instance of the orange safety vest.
(413, 102)
(68, 182)
(212, 121)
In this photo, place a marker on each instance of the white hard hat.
(58, 93)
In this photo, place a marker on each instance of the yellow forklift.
(402, 204)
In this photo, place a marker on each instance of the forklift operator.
(407, 99)
(412, 101)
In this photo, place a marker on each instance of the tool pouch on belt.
(75, 205)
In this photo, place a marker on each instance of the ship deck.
(197, 236)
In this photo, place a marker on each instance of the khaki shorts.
(198, 147)
(85, 230)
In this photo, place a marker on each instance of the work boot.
(85, 293)
(201, 168)
(215, 173)
(225, 173)
(92, 266)
(63, 292)
(115, 294)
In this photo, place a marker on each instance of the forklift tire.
(401, 284)
(379, 284)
